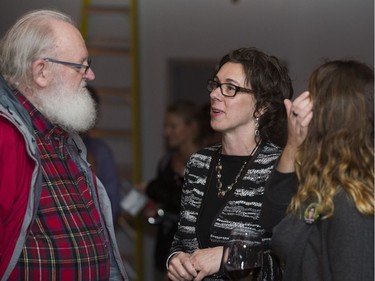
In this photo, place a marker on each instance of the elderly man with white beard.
(55, 216)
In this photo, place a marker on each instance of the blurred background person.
(101, 157)
(183, 137)
(210, 136)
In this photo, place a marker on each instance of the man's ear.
(40, 73)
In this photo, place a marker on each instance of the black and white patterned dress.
(206, 220)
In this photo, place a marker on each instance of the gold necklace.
(221, 193)
(219, 185)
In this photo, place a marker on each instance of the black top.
(231, 166)
(277, 195)
(241, 207)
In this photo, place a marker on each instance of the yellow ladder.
(107, 47)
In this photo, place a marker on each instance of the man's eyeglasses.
(76, 66)
(227, 89)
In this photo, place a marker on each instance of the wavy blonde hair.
(338, 153)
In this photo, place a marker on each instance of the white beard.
(73, 110)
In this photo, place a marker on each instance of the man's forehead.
(68, 39)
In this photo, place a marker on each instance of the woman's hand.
(181, 268)
(201, 263)
(206, 261)
(299, 113)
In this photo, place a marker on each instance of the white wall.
(300, 32)
(12, 9)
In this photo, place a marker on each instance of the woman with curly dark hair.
(224, 184)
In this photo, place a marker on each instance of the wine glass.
(243, 255)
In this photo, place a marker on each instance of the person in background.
(55, 220)
(210, 136)
(100, 156)
(182, 137)
(224, 184)
(328, 167)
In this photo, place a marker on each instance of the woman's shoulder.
(269, 153)
(346, 209)
(208, 150)
(271, 147)
(203, 156)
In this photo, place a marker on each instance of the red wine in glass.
(248, 274)
(243, 255)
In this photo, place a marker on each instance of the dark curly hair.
(271, 84)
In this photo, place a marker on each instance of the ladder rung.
(111, 91)
(120, 95)
(111, 133)
(108, 41)
(107, 9)
(97, 51)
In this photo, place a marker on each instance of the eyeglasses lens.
(212, 85)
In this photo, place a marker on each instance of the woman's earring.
(257, 133)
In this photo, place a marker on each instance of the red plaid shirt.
(66, 240)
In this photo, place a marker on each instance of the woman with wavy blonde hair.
(328, 233)
(338, 153)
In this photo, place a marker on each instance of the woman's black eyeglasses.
(226, 89)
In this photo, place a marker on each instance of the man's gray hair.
(30, 38)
